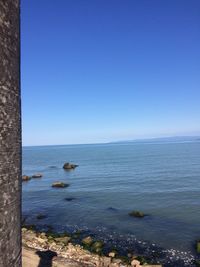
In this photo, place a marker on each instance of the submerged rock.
(77, 234)
(37, 175)
(24, 218)
(31, 227)
(41, 216)
(141, 259)
(97, 244)
(25, 178)
(137, 214)
(70, 198)
(53, 167)
(112, 209)
(60, 185)
(69, 166)
(197, 263)
(198, 246)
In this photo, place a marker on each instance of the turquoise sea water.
(160, 179)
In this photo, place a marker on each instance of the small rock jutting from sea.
(69, 166)
(60, 185)
(37, 175)
(137, 214)
(26, 178)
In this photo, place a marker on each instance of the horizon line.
(118, 141)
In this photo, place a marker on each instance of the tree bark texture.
(10, 135)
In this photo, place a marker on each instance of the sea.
(159, 178)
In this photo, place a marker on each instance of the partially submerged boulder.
(137, 214)
(60, 185)
(198, 246)
(135, 263)
(97, 246)
(87, 240)
(25, 178)
(37, 175)
(65, 239)
(69, 166)
(113, 253)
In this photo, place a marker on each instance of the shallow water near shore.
(161, 179)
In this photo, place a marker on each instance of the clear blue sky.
(103, 70)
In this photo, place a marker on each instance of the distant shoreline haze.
(138, 140)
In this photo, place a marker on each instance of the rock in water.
(198, 246)
(41, 216)
(87, 240)
(70, 198)
(60, 185)
(53, 167)
(137, 214)
(37, 175)
(112, 209)
(25, 178)
(69, 166)
(97, 246)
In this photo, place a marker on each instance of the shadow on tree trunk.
(46, 258)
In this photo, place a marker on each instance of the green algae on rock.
(77, 234)
(87, 240)
(137, 214)
(69, 166)
(62, 244)
(60, 185)
(198, 246)
(97, 247)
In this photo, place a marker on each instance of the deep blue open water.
(160, 179)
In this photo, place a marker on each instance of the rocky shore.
(86, 250)
(60, 250)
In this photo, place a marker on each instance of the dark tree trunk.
(10, 135)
